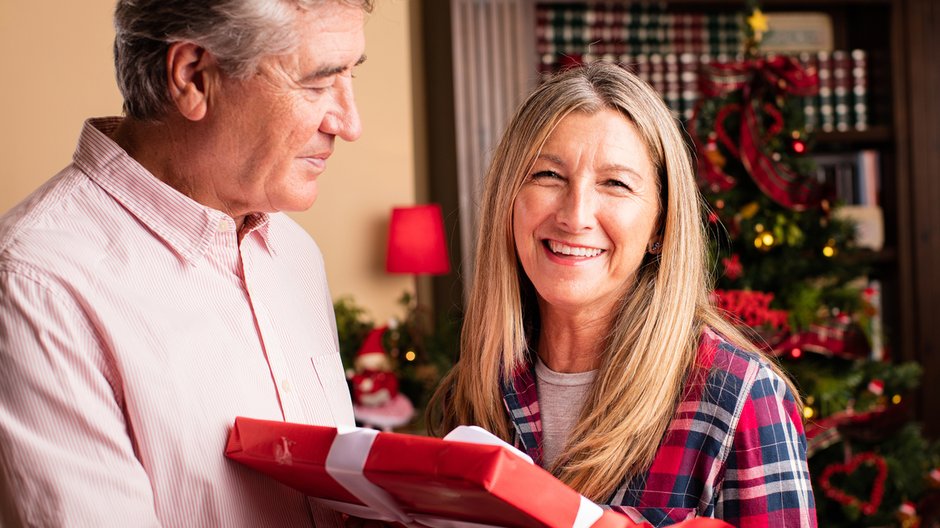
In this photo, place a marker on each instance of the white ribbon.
(345, 461)
(347, 458)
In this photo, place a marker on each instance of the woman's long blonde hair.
(652, 344)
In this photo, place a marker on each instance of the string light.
(410, 355)
(796, 353)
(896, 399)
(764, 241)
(808, 412)
(829, 250)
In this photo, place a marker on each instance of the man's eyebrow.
(331, 70)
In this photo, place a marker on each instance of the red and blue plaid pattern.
(735, 449)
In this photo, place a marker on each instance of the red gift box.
(415, 479)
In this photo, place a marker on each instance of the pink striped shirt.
(134, 328)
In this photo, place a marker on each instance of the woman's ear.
(189, 70)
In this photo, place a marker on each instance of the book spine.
(876, 326)
(869, 178)
(810, 102)
(859, 97)
(627, 62)
(841, 84)
(643, 67)
(658, 73)
(673, 88)
(826, 111)
(688, 83)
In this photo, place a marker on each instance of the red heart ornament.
(870, 506)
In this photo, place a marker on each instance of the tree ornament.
(374, 382)
(733, 267)
(907, 515)
(933, 478)
(755, 120)
(749, 210)
(798, 146)
(869, 506)
(765, 241)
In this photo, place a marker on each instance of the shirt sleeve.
(767, 481)
(66, 456)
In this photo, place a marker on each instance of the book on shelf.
(810, 115)
(841, 86)
(639, 27)
(853, 180)
(794, 32)
(667, 49)
(825, 106)
(859, 64)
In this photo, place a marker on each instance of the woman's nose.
(577, 209)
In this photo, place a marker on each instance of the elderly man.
(153, 290)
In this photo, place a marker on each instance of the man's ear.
(189, 71)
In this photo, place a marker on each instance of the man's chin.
(299, 204)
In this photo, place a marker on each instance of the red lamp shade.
(416, 241)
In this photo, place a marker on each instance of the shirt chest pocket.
(328, 369)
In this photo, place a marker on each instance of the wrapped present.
(469, 479)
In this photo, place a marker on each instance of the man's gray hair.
(238, 33)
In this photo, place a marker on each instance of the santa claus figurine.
(374, 383)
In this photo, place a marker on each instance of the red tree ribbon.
(757, 79)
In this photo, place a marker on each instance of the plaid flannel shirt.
(735, 449)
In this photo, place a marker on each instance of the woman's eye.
(546, 174)
(618, 184)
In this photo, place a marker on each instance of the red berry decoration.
(868, 507)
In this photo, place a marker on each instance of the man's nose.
(343, 118)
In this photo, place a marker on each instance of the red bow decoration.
(756, 79)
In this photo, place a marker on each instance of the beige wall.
(57, 71)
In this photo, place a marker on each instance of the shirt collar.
(520, 396)
(187, 226)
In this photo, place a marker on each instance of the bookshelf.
(901, 38)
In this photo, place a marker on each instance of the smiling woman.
(589, 340)
(583, 219)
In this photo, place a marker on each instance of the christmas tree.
(790, 273)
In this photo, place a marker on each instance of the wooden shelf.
(875, 135)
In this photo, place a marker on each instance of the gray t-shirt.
(561, 396)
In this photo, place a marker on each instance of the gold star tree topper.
(758, 23)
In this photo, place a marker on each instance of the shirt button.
(285, 385)
(223, 226)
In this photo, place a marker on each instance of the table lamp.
(416, 242)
